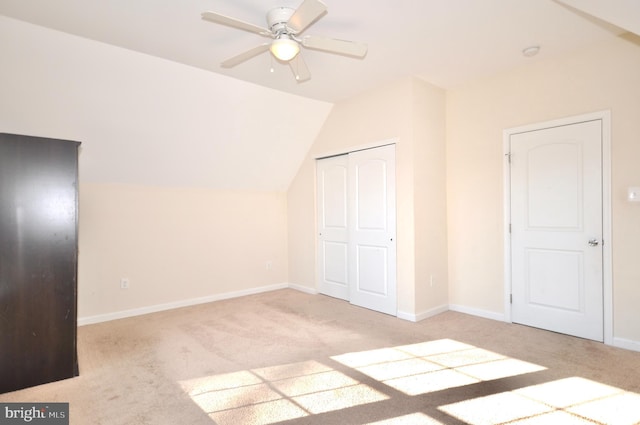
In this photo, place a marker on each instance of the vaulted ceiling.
(140, 84)
(445, 42)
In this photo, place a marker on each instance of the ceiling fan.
(285, 26)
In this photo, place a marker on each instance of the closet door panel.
(332, 192)
(372, 229)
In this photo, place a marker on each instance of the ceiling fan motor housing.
(277, 19)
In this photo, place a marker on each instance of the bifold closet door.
(357, 227)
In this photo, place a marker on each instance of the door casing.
(605, 117)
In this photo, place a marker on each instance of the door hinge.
(509, 227)
(508, 155)
(510, 298)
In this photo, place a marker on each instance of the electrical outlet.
(124, 283)
(268, 265)
(431, 281)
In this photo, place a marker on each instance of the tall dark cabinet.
(38, 260)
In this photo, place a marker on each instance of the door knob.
(593, 242)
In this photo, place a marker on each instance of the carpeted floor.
(287, 357)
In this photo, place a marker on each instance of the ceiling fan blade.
(299, 68)
(238, 59)
(332, 45)
(306, 14)
(234, 23)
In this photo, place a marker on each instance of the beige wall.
(160, 154)
(409, 111)
(175, 244)
(182, 172)
(603, 77)
(431, 291)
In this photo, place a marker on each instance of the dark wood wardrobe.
(38, 260)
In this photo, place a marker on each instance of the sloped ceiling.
(446, 42)
(112, 74)
(147, 121)
(623, 13)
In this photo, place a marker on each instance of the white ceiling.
(446, 42)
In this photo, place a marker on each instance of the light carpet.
(286, 357)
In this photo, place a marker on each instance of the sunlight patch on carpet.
(259, 414)
(567, 401)
(292, 391)
(430, 382)
(293, 370)
(340, 398)
(278, 393)
(434, 366)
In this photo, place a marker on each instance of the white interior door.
(332, 191)
(557, 228)
(372, 229)
(356, 228)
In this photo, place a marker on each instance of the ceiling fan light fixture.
(284, 48)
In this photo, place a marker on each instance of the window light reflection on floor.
(279, 393)
(294, 391)
(565, 401)
(434, 366)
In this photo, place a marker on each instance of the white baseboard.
(82, 321)
(177, 304)
(477, 312)
(302, 288)
(627, 344)
(423, 315)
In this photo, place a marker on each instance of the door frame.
(607, 276)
